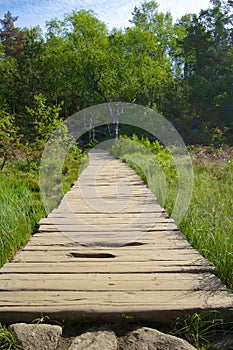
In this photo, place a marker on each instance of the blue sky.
(113, 12)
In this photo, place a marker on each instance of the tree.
(149, 69)
(12, 38)
(45, 118)
(88, 37)
(203, 52)
(184, 70)
(20, 67)
(76, 55)
(8, 135)
(224, 4)
(151, 40)
(149, 19)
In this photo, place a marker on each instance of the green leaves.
(45, 118)
(7, 340)
(8, 135)
(7, 127)
(182, 70)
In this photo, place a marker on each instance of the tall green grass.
(7, 340)
(208, 223)
(21, 207)
(20, 211)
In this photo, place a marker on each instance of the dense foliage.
(183, 70)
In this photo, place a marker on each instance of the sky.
(115, 13)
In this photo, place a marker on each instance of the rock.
(95, 339)
(36, 336)
(224, 344)
(151, 339)
(47, 337)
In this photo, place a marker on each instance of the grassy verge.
(20, 211)
(20, 203)
(208, 223)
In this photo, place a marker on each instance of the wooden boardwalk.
(109, 249)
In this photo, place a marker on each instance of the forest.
(182, 70)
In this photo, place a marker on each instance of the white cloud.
(180, 7)
(114, 13)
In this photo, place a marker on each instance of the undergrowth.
(20, 202)
(208, 223)
(202, 330)
(7, 340)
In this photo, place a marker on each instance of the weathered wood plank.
(108, 229)
(154, 300)
(123, 255)
(129, 215)
(111, 282)
(105, 267)
(67, 247)
(183, 261)
(147, 250)
(81, 219)
(64, 271)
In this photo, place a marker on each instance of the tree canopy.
(183, 70)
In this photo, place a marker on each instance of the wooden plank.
(76, 248)
(184, 260)
(68, 216)
(145, 250)
(153, 300)
(152, 236)
(65, 241)
(107, 220)
(67, 210)
(97, 267)
(106, 227)
(110, 282)
(126, 254)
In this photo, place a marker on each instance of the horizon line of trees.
(182, 70)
